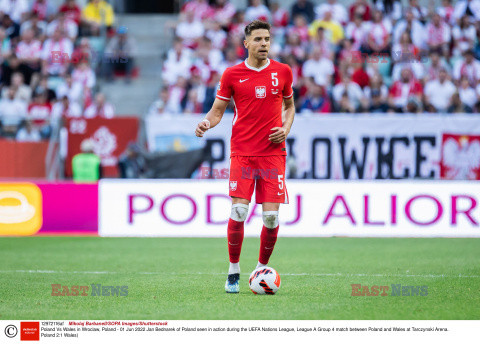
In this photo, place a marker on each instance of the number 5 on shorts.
(280, 182)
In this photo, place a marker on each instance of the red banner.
(22, 159)
(460, 157)
(110, 138)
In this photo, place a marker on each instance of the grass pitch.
(184, 278)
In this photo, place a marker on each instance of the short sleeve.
(287, 87)
(224, 91)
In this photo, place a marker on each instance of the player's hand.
(279, 135)
(203, 126)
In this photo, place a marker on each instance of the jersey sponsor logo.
(233, 185)
(260, 92)
(246, 79)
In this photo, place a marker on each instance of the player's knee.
(270, 219)
(239, 212)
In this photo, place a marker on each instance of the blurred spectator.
(468, 67)
(280, 16)
(68, 26)
(446, 11)
(360, 76)
(467, 95)
(257, 10)
(29, 50)
(39, 112)
(199, 8)
(404, 50)
(464, 36)
(439, 92)
(15, 9)
(338, 11)
(72, 90)
(457, 105)
(433, 66)
(304, 8)
(5, 46)
(43, 9)
(294, 46)
(316, 100)
(42, 86)
(12, 29)
(86, 166)
(299, 28)
(353, 93)
(28, 133)
(404, 90)
(12, 113)
(223, 12)
(319, 67)
(84, 75)
(470, 8)
(418, 11)
(414, 27)
(378, 34)
(176, 93)
(66, 108)
(100, 108)
(190, 30)
(230, 60)
(177, 64)
(159, 105)
(120, 53)
(95, 15)
(359, 8)
(83, 52)
(19, 88)
(320, 40)
(71, 10)
(438, 35)
(12, 65)
(377, 103)
(217, 35)
(56, 54)
(211, 92)
(357, 31)
(333, 29)
(38, 26)
(131, 164)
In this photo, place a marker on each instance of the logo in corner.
(233, 185)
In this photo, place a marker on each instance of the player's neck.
(256, 63)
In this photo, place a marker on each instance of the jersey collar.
(257, 69)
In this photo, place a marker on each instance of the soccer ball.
(264, 280)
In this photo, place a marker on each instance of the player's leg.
(240, 189)
(271, 192)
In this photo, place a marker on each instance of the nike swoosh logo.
(268, 248)
(280, 193)
(233, 244)
(241, 81)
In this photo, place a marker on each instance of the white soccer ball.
(264, 280)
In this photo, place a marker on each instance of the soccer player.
(261, 90)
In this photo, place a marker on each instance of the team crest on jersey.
(260, 92)
(233, 185)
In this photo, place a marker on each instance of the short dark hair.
(256, 24)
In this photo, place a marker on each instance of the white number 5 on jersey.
(274, 79)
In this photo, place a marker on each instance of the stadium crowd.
(49, 63)
(373, 56)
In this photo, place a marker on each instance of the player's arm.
(213, 117)
(280, 134)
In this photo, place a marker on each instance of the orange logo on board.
(20, 209)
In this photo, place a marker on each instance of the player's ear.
(245, 43)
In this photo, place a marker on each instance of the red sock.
(268, 237)
(235, 239)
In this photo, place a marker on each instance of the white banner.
(201, 208)
(345, 146)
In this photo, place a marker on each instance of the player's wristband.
(206, 120)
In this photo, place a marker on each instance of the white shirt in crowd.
(339, 13)
(24, 136)
(12, 112)
(321, 70)
(174, 67)
(472, 71)
(29, 50)
(468, 96)
(354, 92)
(69, 25)
(107, 111)
(14, 8)
(85, 77)
(257, 12)
(440, 94)
(73, 92)
(189, 32)
(73, 111)
(52, 52)
(418, 33)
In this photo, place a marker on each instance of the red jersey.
(258, 97)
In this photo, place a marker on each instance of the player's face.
(258, 44)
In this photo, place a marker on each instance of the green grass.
(188, 280)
